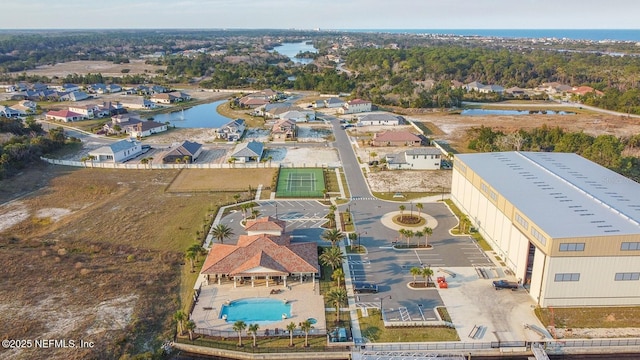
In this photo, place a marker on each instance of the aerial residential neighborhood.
(269, 194)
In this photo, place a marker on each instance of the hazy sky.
(324, 14)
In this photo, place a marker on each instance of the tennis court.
(300, 183)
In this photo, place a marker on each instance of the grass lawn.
(251, 121)
(481, 241)
(374, 330)
(600, 317)
(111, 237)
(228, 180)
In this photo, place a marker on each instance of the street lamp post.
(365, 233)
(411, 211)
(276, 211)
(382, 298)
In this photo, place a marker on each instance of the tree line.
(607, 150)
(27, 143)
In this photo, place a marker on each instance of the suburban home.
(121, 122)
(68, 88)
(474, 86)
(112, 108)
(253, 100)
(415, 159)
(266, 252)
(248, 152)
(318, 104)
(553, 88)
(88, 111)
(170, 98)
(118, 151)
(231, 131)
(333, 102)
(272, 94)
(355, 106)
(284, 130)
(8, 112)
(491, 89)
(138, 102)
(583, 90)
(145, 128)
(515, 91)
(64, 116)
(185, 150)
(396, 138)
(274, 110)
(380, 119)
(299, 115)
(26, 107)
(74, 96)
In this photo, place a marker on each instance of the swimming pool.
(256, 310)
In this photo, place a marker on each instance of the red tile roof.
(266, 224)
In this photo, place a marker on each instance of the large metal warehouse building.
(568, 228)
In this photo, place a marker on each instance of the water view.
(482, 112)
(292, 49)
(199, 116)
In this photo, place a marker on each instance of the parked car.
(504, 284)
(365, 288)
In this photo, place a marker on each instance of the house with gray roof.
(119, 151)
(231, 131)
(426, 158)
(379, 119)
(248, 152)
(181, 151)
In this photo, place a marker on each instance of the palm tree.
(255, 213)
(221, 232)
(333, 235)
(332, 257)
(403, 233)
(426, 274)
(427, 231)
(232, 161)
(236, 197)
(244, 207)
(409, 234)
(402, 209)
(415, 271)
(269, 158)
(253, 330)
(191, 255)
(337, 296)
(306, 326)
(239, 327)
(180, 317)
(291, 327)
(419, 206)
(190, 326)
(337, 276)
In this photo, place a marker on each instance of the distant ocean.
(574, 34)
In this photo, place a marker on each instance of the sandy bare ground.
(105, 68)
(453, 127)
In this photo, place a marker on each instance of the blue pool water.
(199, 116)
(256, 310)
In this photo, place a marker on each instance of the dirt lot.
(106, 68)
(453, 127)
(95, 255)
(222, 179)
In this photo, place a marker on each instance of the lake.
(199, 116)
(292, 49)
(482, 112)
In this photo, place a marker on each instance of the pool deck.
(304, 299)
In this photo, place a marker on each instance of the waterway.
(292, 49)
(484, 112)
(199, 116)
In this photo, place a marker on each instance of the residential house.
(380, 119)
(274, 110)
(121, 122)
(583, 90)
(89, 111)
(252, 101)
(111, 108)
(8, 112)
(74, 96)
(415, 159)
(455, 84)
(145, 128)
(333, 102)
(118, 151)
(231, 131)
(170, 98)
(248, 152)
(25, 107)
(299, 115)
(553, 88)
(181, 151)
(272, 94)
(98, 88)
(68, 88)
(515, 91)
(112, 88)
(396, 138)
(64, 116)
(266, 252)
(137, 102)
(474, 86)
(283, 130)
(355, 106)
(318, 104)
(491, 89)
